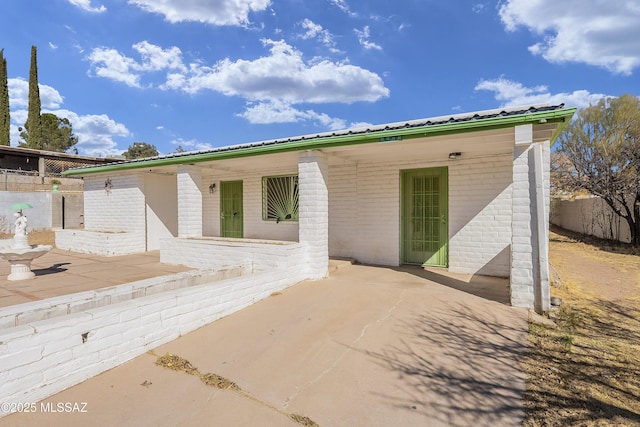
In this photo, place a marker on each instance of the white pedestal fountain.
(21, 253)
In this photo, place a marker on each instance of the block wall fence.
(592, 216)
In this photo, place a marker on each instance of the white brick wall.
(254, 226)
(189, 202)
(524, 251)
(101, 243)
(114, 220)
(22, 314)
(480, 215)
(364, 212)
(259, 255)
(41, 358)
(313, 177)
(343, 210)
(378, 199)
(123, 209)
(522, 292)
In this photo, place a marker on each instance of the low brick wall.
(26, 313)
(216, 252)
(41, 358)
(101, 243)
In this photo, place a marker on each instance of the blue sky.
(207, 73)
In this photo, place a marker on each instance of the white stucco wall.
(590, 216)
(39, 216)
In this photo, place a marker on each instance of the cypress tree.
(5, 129)
(34, 121)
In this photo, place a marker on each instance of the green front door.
(425, 217)
(231, 217)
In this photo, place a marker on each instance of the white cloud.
(19, 94)
(363, 39)
(281, 79)
(95, 132)
(215, 12)
(356, 125)
(511, 94)
(111, 64)
(593, 32)
(283, 75)
(192, 144)
(315, 31)
(343, 6)
(478, 7)
(282, 112)
(86, 5)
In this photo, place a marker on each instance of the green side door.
(425, 231)
(231, 217)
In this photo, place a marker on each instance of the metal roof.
(458, 123)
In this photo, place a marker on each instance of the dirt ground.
(46, 237)
(583, 364)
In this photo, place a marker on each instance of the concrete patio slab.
(63, 272)
(368, 346)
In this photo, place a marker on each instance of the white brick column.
(529, 242)
(189, 202)
(313, 178)
(522, 293)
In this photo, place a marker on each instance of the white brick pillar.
(189, 202)
(529, 227)
(313, 179)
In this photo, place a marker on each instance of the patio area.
(62, 272)
(367, 346)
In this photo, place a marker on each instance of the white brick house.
(467, 192)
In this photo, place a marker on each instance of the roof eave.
(561, 116)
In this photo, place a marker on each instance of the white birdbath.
(21, 253)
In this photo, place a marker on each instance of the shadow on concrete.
(55, 268)
(487, 287)
(468, 360)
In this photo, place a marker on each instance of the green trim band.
(315, 143)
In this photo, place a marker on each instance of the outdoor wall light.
(212, 188)
(455, 155)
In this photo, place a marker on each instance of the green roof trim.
(379, 134)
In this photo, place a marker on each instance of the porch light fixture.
(455, 155)
(212, 188)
